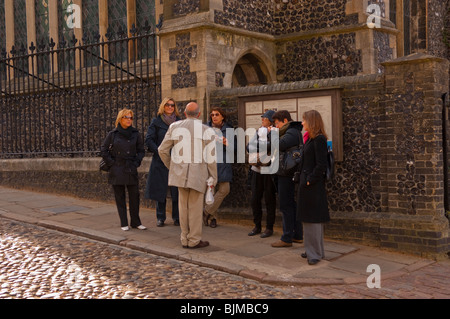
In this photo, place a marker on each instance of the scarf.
(169, 119)
(305, 137)
(125, 132)
(284, 128)
(217, 126)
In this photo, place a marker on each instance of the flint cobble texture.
(39, 263)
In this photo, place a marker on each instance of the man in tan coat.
(191, 162)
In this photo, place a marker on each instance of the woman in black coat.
(158, 176)
(124, 158)
(312, 202)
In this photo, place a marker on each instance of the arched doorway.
(249, 71)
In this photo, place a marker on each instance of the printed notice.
(322, 104)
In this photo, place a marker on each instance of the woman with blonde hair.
(124, 157)
(158, 176)
(312, 204)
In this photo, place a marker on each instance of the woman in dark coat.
(290, 133)
(158, 176)
(124, 159)
(312, 197)
(224, 170)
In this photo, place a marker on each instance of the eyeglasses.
(215, 114)
(170, 104)
(128, 117)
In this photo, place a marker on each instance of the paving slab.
(358, 264)
(64, 209)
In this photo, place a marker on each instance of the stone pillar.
(377, 44)
(9, 24)
(183, 65)
(131, 19)
(9, 28)
(31, 30)
(53, 28)
(79, 31)
(413, 167)
(103, 23)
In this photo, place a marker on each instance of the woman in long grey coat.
(312, 204)
(158, 176)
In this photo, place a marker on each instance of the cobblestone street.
(36, 262)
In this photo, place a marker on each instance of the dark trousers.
(263, 186)
(161, 206)
(292, 227)
(133, 198)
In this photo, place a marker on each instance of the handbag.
(289, 160)
(103, 165)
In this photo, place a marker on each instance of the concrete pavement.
(231, 249)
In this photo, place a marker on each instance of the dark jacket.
(292, 137)
(158, 176)
(126, 156)
(224, 169)
(312, 204)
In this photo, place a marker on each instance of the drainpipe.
(445, 104)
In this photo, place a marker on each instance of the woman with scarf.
(312, 195)
(124, 157)
(224, 170)
(158, 176)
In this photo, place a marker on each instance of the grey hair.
(193, 113)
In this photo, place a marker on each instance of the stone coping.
(60, 164)
(319, 84)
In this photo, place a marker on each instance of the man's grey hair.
(193, 113)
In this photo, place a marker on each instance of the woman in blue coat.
(158, 176)
(224, 170)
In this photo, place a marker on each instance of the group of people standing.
(303, 214)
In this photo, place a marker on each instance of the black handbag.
(103, 165)
(289, 160)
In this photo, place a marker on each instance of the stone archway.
(250, 70)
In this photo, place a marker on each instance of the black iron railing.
(62, 100)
